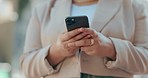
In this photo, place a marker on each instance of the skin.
(60, 49)
(68, 43)
(102, 46)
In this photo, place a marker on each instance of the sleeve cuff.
(47, 69)
(120, 54)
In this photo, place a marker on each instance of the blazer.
(125, 22)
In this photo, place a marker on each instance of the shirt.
(88, 11)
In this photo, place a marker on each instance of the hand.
(60, 49)
(68, 37)
(97, 45)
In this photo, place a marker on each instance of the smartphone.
(75, 22)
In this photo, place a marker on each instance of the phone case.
(76, 22)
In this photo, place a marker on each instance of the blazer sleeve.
(33, 62)
(132, 57)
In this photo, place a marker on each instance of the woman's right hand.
(60, 49)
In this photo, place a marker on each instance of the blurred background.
(14, 18)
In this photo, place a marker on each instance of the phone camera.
(70, 21)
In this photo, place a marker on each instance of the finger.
(78, 37)
(87, 37)
(80, 43)
(66, 45)
(87, 49)
(68, 35)
(90, 31)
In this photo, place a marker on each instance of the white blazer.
(124, 21)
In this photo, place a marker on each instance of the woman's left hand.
(97, 45)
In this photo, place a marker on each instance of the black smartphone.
(75, 22)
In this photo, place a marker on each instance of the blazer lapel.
(105, 11)
(62, 9)
(55, 23)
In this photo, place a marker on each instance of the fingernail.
(89, 35)
(81, 29)
(70, 45)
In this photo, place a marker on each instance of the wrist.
(111, 51)
(54, 57)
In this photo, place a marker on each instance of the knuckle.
(65, 45)
(67, 35)
(84, 42)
